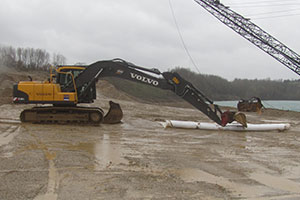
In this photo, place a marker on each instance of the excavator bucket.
(114, 114)
(240, 118)
(229, 116)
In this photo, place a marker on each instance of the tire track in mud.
(273, 184)
(53, 184)
(8, 135)
(9, 121)
(53, 175)
(276, 182)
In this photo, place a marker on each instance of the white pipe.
(228, 127)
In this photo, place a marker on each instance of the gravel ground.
(138, 159)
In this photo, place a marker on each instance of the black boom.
(85, 83)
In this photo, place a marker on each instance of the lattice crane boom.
(253, 33)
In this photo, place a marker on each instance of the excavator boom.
(152, 77)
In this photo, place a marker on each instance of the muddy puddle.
(107, 152)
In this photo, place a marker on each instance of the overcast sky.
(143, 32)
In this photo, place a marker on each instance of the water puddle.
(53, 175)
(88, 147)
(108, 153)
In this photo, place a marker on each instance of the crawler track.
(63, 115)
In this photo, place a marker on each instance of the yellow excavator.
(64, 109)
(72, 85)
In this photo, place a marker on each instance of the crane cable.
(181, 37)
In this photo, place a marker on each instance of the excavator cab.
(64, 75)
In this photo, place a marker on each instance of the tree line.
(29, 58)
(214, 87)
(217, 88)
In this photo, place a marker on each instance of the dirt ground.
(139, 159)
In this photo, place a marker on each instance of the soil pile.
(107, 90)
(9, 76)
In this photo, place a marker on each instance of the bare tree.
(58, 59)
(29, 58)
(8, 56)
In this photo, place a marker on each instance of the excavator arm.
(152, 77)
